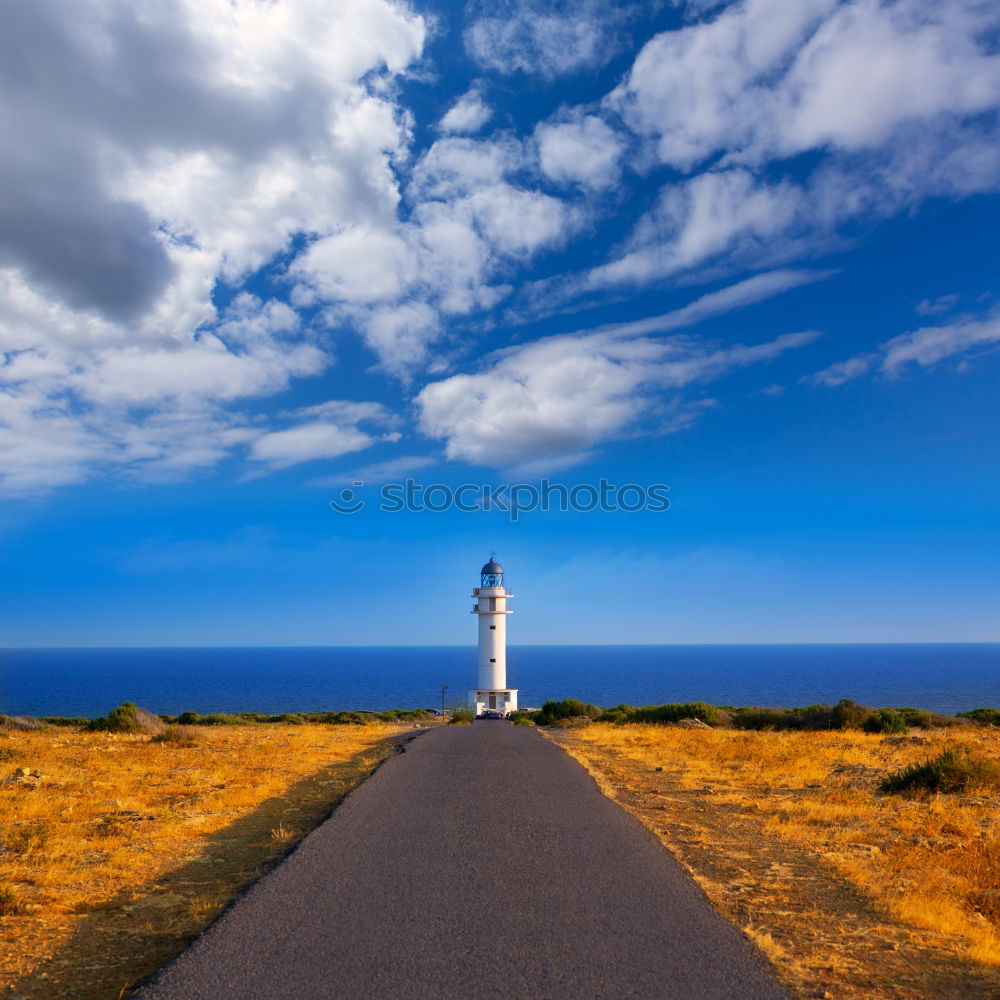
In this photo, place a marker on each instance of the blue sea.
(88, 682)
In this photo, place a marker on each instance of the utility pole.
(444, 688)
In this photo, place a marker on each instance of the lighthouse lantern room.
(490, 607)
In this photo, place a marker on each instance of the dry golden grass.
(929, 863)
(127, 847)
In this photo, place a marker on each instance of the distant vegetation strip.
(846, 714)
(129, 718)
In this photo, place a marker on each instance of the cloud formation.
(548, 403)
(467, 115)
(198, 200)
(150, 153)
(922, 348)
(546, 38)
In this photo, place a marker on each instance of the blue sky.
(253, 253)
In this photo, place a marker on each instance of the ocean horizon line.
(521, 645)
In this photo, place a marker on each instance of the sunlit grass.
(114, 819)
(931, 861)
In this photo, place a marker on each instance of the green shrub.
(461, 715)
(521, 718)
(223, 719)
(19, 723)
(885, 720)
(847, 714)
(674, 712)
(982, 716)
(953, 771)
(760, 718)
(918, 718)
(813, 717)
(58, 720)
(127, 718)
(186, 736)
(188, 719)
(613, 715)
(9, 753)
(568, 708)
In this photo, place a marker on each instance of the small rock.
(25, 777)
(692, 724)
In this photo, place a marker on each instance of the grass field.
(808, 803)
(126, 847)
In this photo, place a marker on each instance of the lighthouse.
(490, 608)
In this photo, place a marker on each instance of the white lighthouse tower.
(491, 598)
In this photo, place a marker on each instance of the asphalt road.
(481, 863)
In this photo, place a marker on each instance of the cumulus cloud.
(150, 153)
(766, 78)
(736, 217)
(923, 348)
(469, 223)
(719, 212)
(550, 402)
(584, 152)
(547, 38)
(328, 430)
(467, 115)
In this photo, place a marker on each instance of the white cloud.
(931, 344)
(551, 401)
(924, 347)
(467, 115)
(767, 78)
(719, 212)
(584, 152)
(547, 38)
(468, 226)
(280, 449)
(359, 265)
(327, 430)
(934, 307)
(151, 153)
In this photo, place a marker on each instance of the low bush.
(885, 720)
(674, 712)
(9, 753)
(186, 736)
(69, 723)
(953, 771)
(847, 714)
(127, 718)
(982, 716)
(613, 715)
(298, 718)
(568, 708)
(461, 715)
(918, 718)
(761, 718)
(19, 723)
(521, 718)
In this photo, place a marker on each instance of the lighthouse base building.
(491, 596)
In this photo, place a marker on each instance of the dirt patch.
(825, 937)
